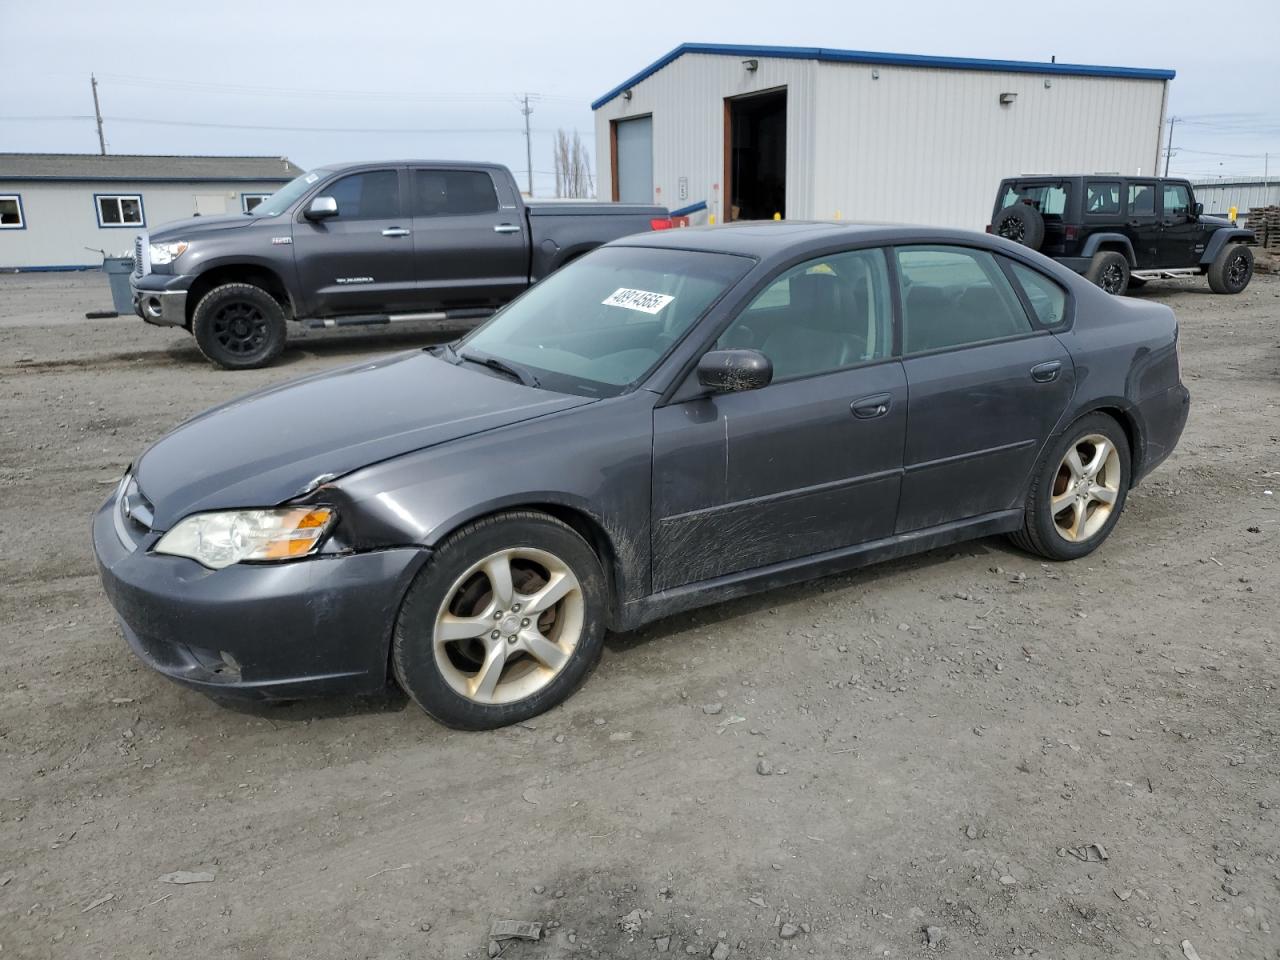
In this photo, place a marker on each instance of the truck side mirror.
(322, 208)
(1198, 210)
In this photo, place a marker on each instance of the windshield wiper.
(502, 366)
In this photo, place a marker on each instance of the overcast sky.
(325, 81)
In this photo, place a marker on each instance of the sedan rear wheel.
(1079, 490)
(503, 623)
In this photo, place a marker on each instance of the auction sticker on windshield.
(641, 300)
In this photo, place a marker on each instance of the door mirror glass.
(1198, 209)
(322, 208)
(732, 371)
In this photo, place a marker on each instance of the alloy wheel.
(1085, 488)
(508, 625)
(240, 327)
(1238, 270)
(1011, 228)
(1112, 278)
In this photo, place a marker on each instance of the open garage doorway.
(755, 155)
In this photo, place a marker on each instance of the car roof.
(766, 239)
(1100, 175)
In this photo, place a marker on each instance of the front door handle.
(395, 232)
(1046, 372)
(506, 228)
(870, 407)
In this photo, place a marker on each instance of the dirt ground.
(1051, 761)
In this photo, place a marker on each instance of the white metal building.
(816, 133)
(58, 209)
(1220, 195)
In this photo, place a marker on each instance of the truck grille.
(137, 256)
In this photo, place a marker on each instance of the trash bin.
(117, 270)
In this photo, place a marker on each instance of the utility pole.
(1168, 152)
(97, 113)
(528, 141)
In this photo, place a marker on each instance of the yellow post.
(777, 216)
(838, 217)
(1231, 214)
(712, 220)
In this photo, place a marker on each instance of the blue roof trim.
(887, 59)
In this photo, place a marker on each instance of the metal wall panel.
(1219, 196)
(61, 220)
(890, 143)
(930, 146)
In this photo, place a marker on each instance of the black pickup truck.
(364, 243)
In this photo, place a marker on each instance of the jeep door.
(1142, 224)
(1179, 228)
(361, 260)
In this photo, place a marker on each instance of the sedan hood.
(263, 449)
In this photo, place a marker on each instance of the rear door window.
(955, 296)
(1142, 199)
(453, 193)
(1102, 198)
(1047, 298)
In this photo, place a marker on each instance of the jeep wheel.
(1021, 223)
(239, 326)
(1232, 269)
(1110, 271)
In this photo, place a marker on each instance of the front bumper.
(160, 298)
(264, 631)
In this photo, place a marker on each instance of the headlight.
(218, 540)
(162, 253)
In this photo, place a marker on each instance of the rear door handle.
(870, 407)
(1046, 372)
(506, 228)
(395, 232)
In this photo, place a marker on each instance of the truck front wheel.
(239, 326)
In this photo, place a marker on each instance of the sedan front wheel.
(503, 623)
(1079, 490)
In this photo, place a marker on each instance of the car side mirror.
(732, 371)
(1198, 210)
(322, 208)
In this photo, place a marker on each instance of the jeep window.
(1103, 197)
(284, 198)
(453, 193)
(371, 195)
(1049, 198)
(955, 296)
(1142, 199)
(1177, 200)
(1048, 300)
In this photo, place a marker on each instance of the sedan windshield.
(283, 199)
(603, 322)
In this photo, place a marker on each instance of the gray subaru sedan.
(673, 420)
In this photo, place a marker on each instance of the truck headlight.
(220, 539)
(162, 253)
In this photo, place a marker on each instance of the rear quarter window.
(1048, 299)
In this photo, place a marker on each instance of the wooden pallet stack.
(1265, 224)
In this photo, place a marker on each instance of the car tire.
(239, 326)
(1021, 223)
(475, 647)
(1074, 503)
(1109, 271)
(1232, 269)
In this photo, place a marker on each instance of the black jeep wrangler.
(1123, 231)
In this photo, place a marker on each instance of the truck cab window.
(453, 193)
(372, 195)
